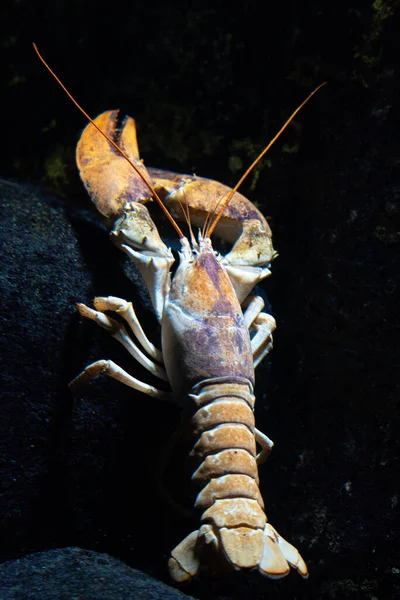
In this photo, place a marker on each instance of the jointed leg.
(263, 324)
(118, 331)
(261, 344)
(127, 312)
(266, 445)
(253, 306)
(108, 367)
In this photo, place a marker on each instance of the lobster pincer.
(241, 224)
(108, 177)
(119, 192)
(116, 189)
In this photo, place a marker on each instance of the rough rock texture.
(57, 451)
(73, 573)
(209, 88)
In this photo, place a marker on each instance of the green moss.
(306, 71)
(382, 10)
(55, 166)
(291, 148)
(235, 164)
(370, 51)
(245, 152)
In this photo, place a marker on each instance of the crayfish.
(214, 333)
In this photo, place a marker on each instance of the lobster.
(214, 333)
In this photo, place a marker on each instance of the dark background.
(208, 88)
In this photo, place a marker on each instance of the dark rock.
(76, 574)
(57, 451)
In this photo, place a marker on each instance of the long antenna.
(115, 145)
(230, 194)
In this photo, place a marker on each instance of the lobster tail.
(234, 528)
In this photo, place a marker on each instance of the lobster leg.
(262, 323)
(253, 306)
(266, 444)
(118, 332)
(110, 368)
(127, 312)
(261, 344)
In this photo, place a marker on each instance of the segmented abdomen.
(225, 467)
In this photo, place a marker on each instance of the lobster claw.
(119, 192)
(241, 224)
(108, 177)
